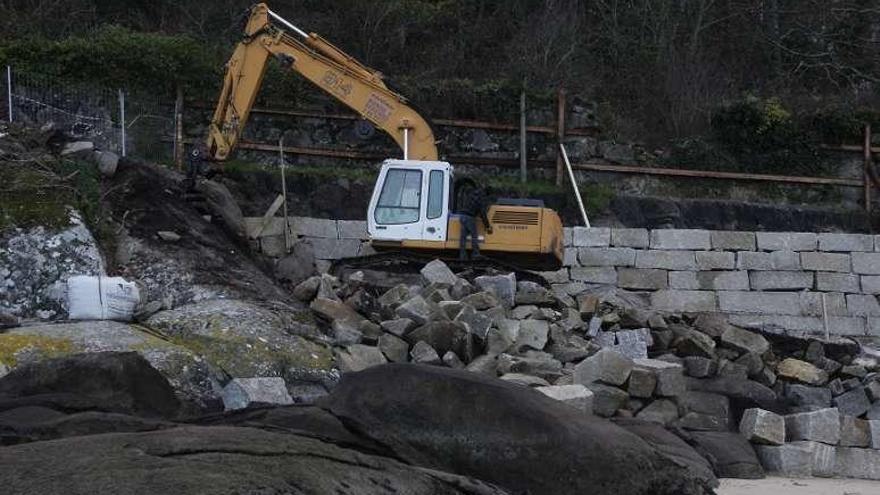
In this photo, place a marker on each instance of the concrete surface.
(799, 486)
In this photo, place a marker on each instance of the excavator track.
(388, 269)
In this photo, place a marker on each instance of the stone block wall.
(330, 239)
(776, 281)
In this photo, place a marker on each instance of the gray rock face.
(545, 432)
(195, 379)
(243, 460)
(243, 392)
(763, 427)
(605, 366)
(236, 325)
(818, 426)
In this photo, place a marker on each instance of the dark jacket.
(475, 204)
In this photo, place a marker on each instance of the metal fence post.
(523, 147)
(122, 119)
(9, 90)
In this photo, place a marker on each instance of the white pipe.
(406, 143)
(122, 118)
(288, 24)
(574, 185)
(9, 90)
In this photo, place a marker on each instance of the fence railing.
(142, 126)
(129, 124)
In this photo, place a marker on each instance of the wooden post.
(284, 195)
(868, 159)
(560, 134)
(178, 129)
(523, 148)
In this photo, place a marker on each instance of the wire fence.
(129, 124)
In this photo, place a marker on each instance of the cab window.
(401, 197)
(435, 194)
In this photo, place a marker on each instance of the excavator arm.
(360, 88)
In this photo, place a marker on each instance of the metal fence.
(129, 124)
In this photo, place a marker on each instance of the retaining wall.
(770, 280)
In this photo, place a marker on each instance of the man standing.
(473, 204)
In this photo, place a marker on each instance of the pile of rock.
(600, 352)
(822, 443)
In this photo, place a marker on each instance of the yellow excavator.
(413, 201)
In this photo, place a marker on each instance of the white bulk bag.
(101, 298)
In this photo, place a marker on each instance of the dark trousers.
(468, 228)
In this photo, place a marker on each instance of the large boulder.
(217, 459)
(502, 433)
(117, 382)
(195, 380)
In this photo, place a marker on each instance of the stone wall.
(769, 280)
(774, 281)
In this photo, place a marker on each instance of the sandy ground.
(792, 486)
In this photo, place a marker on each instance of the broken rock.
(358, 357)
(762, 427)
(533, 334)
(532, 293)
(436, 272)
(394, 348)
(661, 411)
(577, 396)
(817, 426)
(802, 371)
(243, 392)
(503, 286)
(423, 353)
(605, 366)
(744, 340)
(670, 376)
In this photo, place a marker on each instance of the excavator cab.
(412, 209)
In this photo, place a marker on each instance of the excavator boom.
(360, 88)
